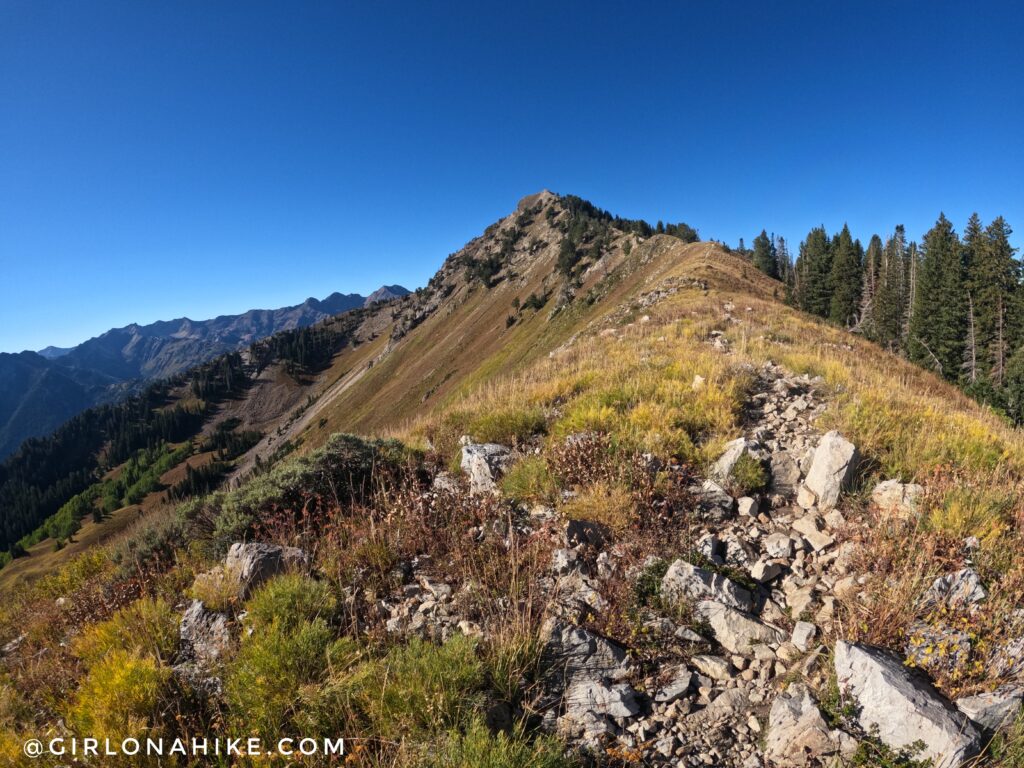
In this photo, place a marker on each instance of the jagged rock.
(571, 651)
(586, 698)
(785, 473)
(444, 483)
(714, 667)
(992, 711)
(957, 591)
(765, 572)
(713, 501)
(250, 564)
(686, 582)
(809, 526)
(587, 672)
(779, 545)
(675, 688)
(833, 466)
(903, 707)
(803, 635)
(564, 561)
(747, 506)
(576, 598)
(735, 630)
(205, 635)
(898, 499)
(484, 464)
(797, 733)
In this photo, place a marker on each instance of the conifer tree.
(845, 278)
(814, 266)
(784, 260)
(764, 255)
(869, 286)
(890, 294)
(939, 322)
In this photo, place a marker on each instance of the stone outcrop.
(902, 707)
(896, 499)
(686, 582)
(797, 733)
(835, 461)
(484, 464)
(735, 630)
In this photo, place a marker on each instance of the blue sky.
(163, 159)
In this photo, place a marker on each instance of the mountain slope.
(40, 391)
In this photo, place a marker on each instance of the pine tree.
(939, 323)
(890, 292)
(764, 255)
(869, 286)
(814, 266)
(845, 278)
(785, 261)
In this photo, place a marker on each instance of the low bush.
(419, 688)
(609, 504)
(147, 627)
(274, 664)
(748, 476)
(290, 600)
(120, 696)
(477, 747)
(508, 426)
(530, 479)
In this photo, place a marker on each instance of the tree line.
(953, 304)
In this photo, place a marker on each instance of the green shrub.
(530, 479)
(508, 426)
(479, 748)
(342, 470)
(120, 696)
(146, 627)
(748, 475)
(512, 661)
(290, 600)
(216, 589)
(263, 682)
(418, 688)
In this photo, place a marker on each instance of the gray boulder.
(571, 651)
(835, 461)
(586, 673)
(785, 473)
(957, 591)
(896, 499)
(253, 563)
(205, 635)
(713, 502)
(902, 707)
(797, 733)
(686, 582)
(484, 464)
(736, 631)
(993, 710)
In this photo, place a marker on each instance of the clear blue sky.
(160, 159)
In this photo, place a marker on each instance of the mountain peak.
(386, 293)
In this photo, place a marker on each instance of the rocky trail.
(746, 631)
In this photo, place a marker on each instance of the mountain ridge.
(102, 368)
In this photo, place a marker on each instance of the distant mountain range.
(41, 390)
